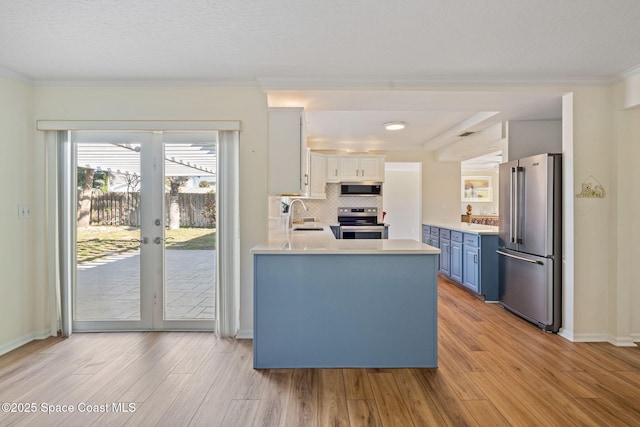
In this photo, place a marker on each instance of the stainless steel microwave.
(361, 189)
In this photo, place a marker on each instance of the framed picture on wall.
(476, 189)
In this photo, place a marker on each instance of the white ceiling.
(382, 54)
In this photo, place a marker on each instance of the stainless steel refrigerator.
(530, 239)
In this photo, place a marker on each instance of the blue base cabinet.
(456, 256)
(445, 255)
(467, 258)
(471, 262)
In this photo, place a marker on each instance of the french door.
(146, 230)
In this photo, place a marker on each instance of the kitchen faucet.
(291, 211)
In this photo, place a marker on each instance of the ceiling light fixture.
(394, 125)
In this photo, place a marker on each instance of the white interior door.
(145, 241)
(402, 200)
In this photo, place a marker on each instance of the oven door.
(362, 232)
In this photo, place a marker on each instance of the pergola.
(186, 153)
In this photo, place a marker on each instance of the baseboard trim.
(622, 341)
(590, 338)
(19, 342)
(568, 335)
(617, 341)
(245, 334)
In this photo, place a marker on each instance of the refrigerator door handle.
(512, 210)
(532, 261)
(519, 197)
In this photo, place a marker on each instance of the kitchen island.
(321, 302)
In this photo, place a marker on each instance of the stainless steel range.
(361, 223)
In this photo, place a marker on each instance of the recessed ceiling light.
(394, 125)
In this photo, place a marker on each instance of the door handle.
(159, 240)
(144, 240)
(519, 258)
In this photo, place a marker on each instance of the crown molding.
(12, 75)
(304, 83)
(150, 83)
(295, 83)
(629, 72)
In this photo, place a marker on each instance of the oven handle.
(361, 228)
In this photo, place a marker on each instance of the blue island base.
(346, 310)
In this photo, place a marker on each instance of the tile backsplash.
(327, 210)
(324, 210)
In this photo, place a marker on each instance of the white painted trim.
(146, 83)
(635, 337)
(568, 335)
(12, 75)
(622, 341)
(629, 73)
(281, 83)
(18, 342)
(617, 341)
(245, 334)
(591, 338)
(142, 125)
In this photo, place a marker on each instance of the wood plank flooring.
(494, 370)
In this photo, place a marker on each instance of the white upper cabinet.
(318, 176)
(372, 168)
(349, 168)
(288, 153)
(333, 168)
(361, 168)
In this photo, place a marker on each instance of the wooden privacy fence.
(119, 208)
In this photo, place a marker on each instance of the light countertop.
(466, 227)
(323, 242)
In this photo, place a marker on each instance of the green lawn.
(95, 242)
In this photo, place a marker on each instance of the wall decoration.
(589, 190)
(476, 189)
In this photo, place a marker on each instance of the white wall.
(531, 137)
(625, 315)
(592, 155)
(483, 208)
(249, 105)
(403, 200)
(20, 322)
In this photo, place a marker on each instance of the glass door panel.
(190, 234)
(146, 236)
(108, 231)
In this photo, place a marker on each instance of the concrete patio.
(108, 289)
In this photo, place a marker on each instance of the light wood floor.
(495, 369)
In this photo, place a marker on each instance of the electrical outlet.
(24, 211)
